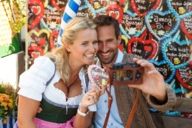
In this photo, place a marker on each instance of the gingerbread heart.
(162, 24)
(38, 42)
(84, 11)
(132, 25)
(176, 52)
(98, 76)
(36, 12)
(59, 4)
(51, 20)
(146, 48)
(95, 7)
(114, 10)
(142, 7)
(181, 7)
(165, 69)
(184, 76)
(186, 26)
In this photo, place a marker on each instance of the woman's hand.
(90, 98)
(153, 82)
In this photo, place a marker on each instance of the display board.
(157, 30)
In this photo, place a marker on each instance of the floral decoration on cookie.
(132, 25)
(162, 24)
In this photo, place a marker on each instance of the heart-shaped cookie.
(176, 52)
(38, 42)
(165, 69)
(162, 24)
(181, 7)
(114, 10)
(146, 48)
(186, 26)
(36, 12)
(98, 76)
(132, 25)
(184, 76)
(51, 20)
(59, 4)
(96, 7)
(142, 7)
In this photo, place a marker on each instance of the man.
(157, 94)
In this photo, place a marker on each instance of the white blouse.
(33, 83)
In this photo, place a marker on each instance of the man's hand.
(153, 82)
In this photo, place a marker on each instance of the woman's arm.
(27, 109)
(83, 117)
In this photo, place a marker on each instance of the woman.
(56, 82)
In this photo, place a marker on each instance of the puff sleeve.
(32, 82)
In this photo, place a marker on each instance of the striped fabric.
(70, 12)
(10, 122)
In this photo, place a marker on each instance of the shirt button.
(105, 101)
(111, 124)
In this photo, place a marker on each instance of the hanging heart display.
(146, 48)
(84, 10)
(115, 11)
(132, 25)
(51, 20)
(95, 7)
(38, 43)
(98, 76)
(36, 12)
(162, 24)
(176, 52)
(165, 69)
(59, 4)
(142, 7)
(181, 7)
(184, 76)
(186, 26)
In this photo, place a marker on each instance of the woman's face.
(84, 47)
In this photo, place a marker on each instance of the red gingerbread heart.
(141, 7)
(186, 26)
(36, 12)
(59, 4)
(184, 76)
(98, 76)
(145, 48)
(38, 42)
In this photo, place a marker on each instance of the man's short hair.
(105, 20)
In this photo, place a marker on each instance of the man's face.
(108, 44)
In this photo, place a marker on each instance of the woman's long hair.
(60, 55)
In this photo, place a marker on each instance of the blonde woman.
(56, 82)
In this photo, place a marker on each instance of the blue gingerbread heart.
(162, 24)
(167, 70)
(176, 52)
(181, 7)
